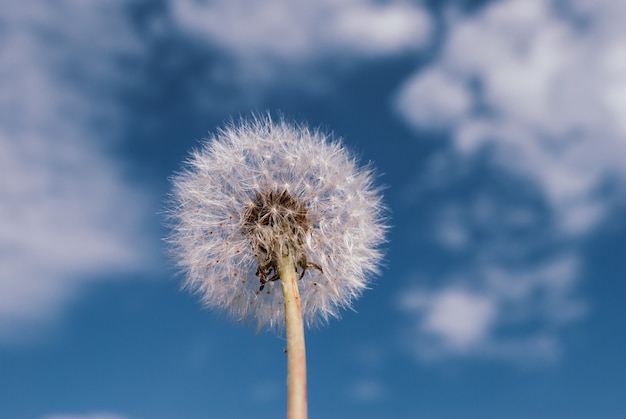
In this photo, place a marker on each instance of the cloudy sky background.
(498, 127)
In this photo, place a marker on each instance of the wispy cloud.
(535, 90)
(67, 211)
(494, 313)
(280, 43)
(544, 91)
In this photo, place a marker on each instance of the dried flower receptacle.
(277, 224)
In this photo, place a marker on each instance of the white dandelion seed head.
(260, 184)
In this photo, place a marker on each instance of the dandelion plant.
(276, 223)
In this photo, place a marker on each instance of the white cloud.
(67, 212)
(449, 101)
(375, 29)
(493, 312)
(510, 284)
(536, 89)
(282, 40)
(547, 95)
(459, 317)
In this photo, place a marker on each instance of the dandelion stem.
(296, 352)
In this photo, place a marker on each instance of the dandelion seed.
(273, 203)
(261, 180)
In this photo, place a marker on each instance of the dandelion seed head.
(258, 187)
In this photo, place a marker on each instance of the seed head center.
(276, 223)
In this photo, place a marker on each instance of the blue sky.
(498, 128)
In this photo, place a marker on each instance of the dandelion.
(277, 223)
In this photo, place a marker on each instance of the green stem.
(296, 352)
